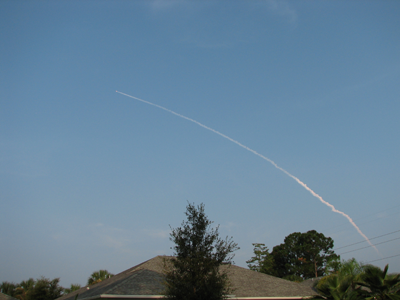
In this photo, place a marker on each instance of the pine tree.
(194, 273)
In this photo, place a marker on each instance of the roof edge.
(162, 296)
(132, 296)
(286, 298)
(123, 296)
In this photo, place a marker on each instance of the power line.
(370, 246)
(378, 218)
(390, 208)
(383, 258)
(369, 239)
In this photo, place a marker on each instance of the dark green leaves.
(199, 252)
(301, 256)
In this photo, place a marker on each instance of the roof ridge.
(120, 274)
(123, 281)
(264, 274)
(131, 269)
(144, 279)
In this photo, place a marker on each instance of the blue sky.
(91, 179)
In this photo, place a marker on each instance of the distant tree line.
(46, 289)
(40, 289)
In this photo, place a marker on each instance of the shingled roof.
(144, 281)
(6, 297)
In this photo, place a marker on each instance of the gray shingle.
(146, 279)
(6, 297)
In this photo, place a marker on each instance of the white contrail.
(267, 159)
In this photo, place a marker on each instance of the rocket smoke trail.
(265, 158)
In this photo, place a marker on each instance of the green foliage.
(8, 288)
(262, 261)
(351, 267)
(45, 289)
(379, 284)
(40, 289)
(98, 276)
(354, 281)
(71, 289)
(303, 254)
(332, 265)
(346, 270)
(24, 288)
(333, 287)
(195, 273)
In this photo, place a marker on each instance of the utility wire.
(370, 246)
(369, 239)
(379, 218)
(383, 258)
(390, 208)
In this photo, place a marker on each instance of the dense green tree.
(262, 261)
(303, 254)
(332, 265)
(8, 288)
(98, 276)
(72, 288)
(45, 289)
(195, 273)
(23, 289)
(40, 289)
(379, 284)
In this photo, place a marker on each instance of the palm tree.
(348, 271)
(342, 283)
(98, 276)
(351, 270)
(380, 285)
(333, 287)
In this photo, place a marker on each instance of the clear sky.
(91, 179)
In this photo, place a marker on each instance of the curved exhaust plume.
(265, 158)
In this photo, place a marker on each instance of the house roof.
(145, 281)
(6, 297)
(248, 283)
(311, 282)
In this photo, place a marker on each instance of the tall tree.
(98, 276)
(262, 261)
(303, 254)
(195, 273)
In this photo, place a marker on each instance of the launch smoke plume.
(265, 158)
